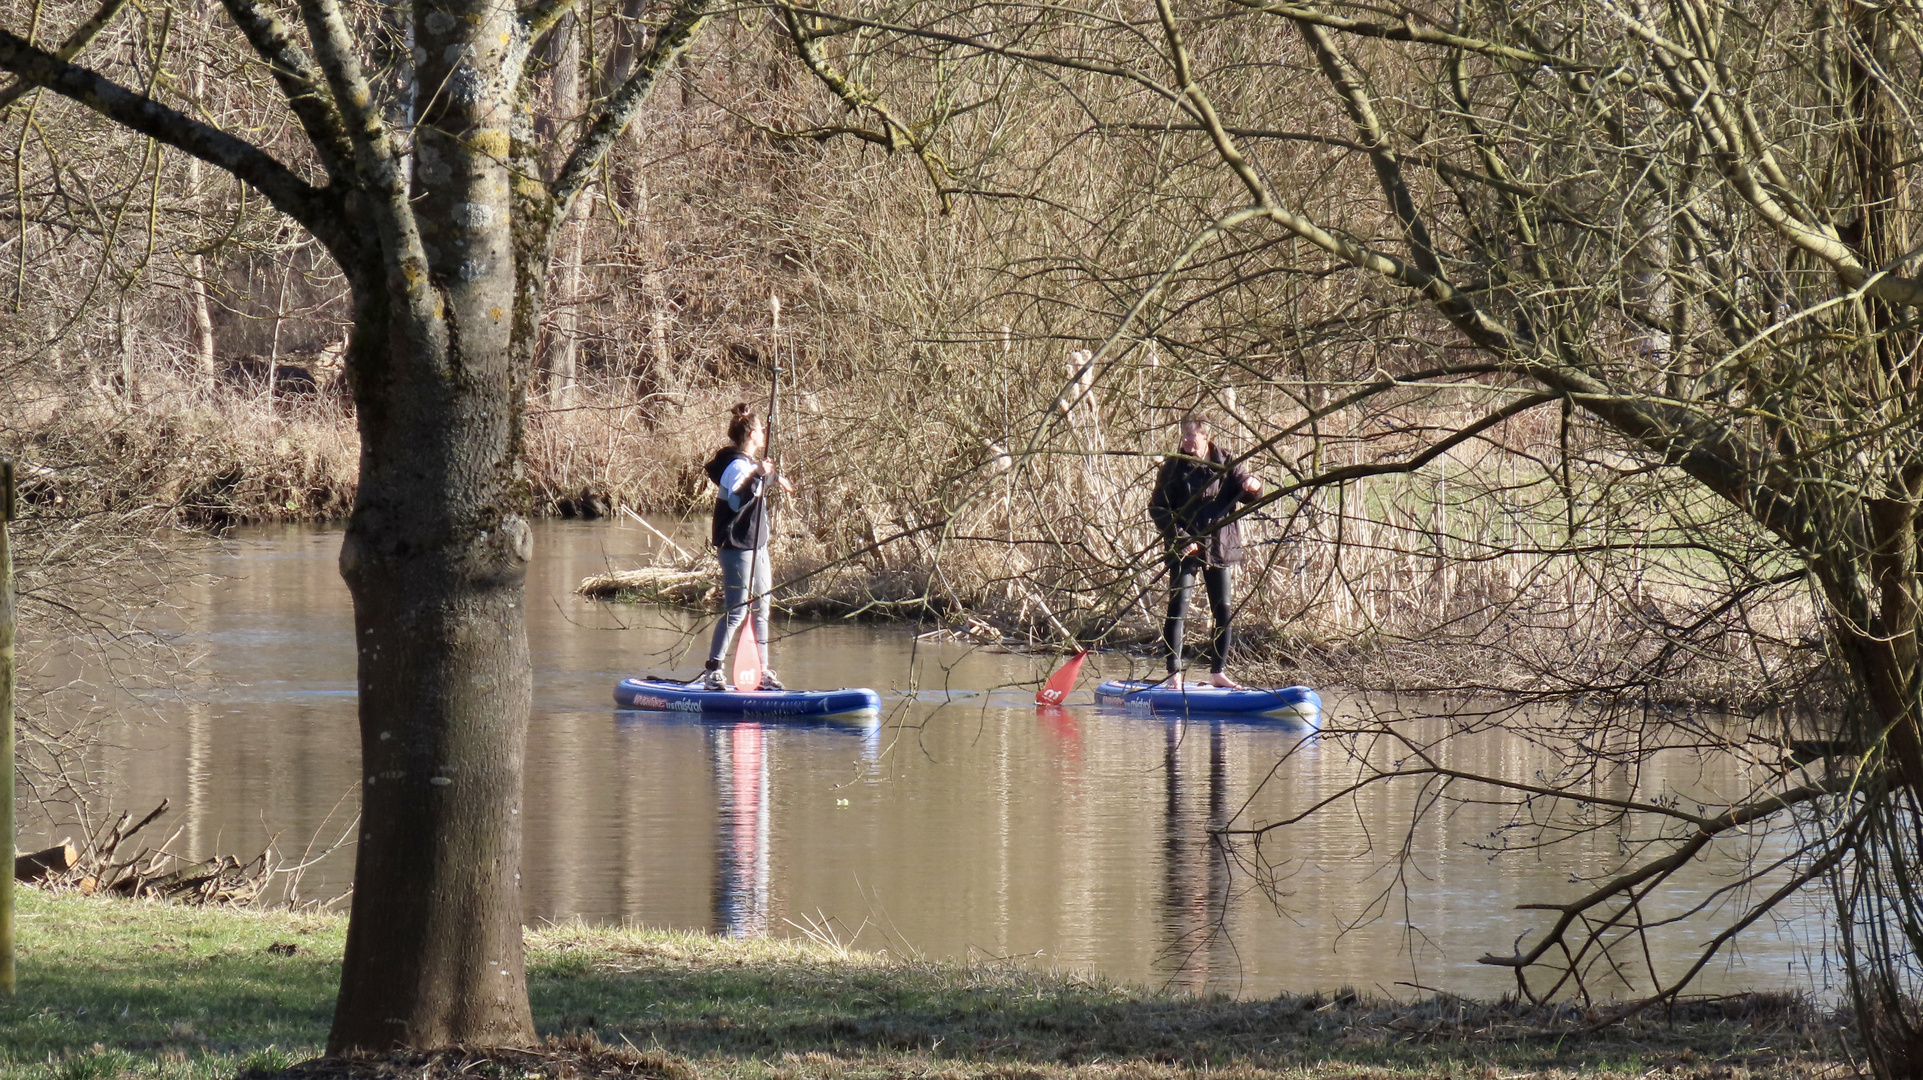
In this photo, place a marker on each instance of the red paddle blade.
(1063, 681)
(747, 657)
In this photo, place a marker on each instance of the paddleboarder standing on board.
(740, 534)
(1196, 492)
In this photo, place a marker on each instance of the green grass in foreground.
(112, 988)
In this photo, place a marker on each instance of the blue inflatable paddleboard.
(665, 695)
(1297, 703)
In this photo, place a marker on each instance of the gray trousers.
(736, 567)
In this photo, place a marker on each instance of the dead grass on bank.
(118, 988)
(187, 457)
(213, 459)
(554, 1059)
(683, 1006)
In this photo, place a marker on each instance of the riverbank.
(199, 459)
(957, 547)
(112, 988)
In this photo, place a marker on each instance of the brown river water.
(967, 824)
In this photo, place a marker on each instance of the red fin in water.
(1062, 682)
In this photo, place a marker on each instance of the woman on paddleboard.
(1196, 493)
(740, 535)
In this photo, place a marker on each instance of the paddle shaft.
(774, 381)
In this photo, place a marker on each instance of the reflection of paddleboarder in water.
(742, 894)
(1197, 952)
(740, 534)
(1196, 493)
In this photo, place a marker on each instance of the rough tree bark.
(447, 270)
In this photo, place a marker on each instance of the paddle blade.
(1063, 681)
(747, 657)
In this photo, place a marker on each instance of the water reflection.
(1199, 953)
(970, 824)
(742, 814)
(1065, 732)
(744, 761)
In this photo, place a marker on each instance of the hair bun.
(741, 408)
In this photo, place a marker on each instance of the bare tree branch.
(339, 61)
(1506, 185)
(301, 84)
(1460, 435)
(314, 208)
(541, 16)
(376, 162)
(1028, 56)
(1733, 818)
(625, 104)
(807, 45)
(1408, 31)
(76, 42)
(1342, 74)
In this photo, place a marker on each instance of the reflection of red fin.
(1068, 737)
(747, 657)
(1062, 682)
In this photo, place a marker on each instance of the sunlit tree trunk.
(200, 316)
(564, 104)
(565, 345)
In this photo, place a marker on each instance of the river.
(966, 825)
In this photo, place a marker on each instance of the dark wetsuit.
(1191, 504)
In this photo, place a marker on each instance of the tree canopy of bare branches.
(1683, 234)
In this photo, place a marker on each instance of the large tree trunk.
(1876, 928)
(435, 555)
(1888, 646)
